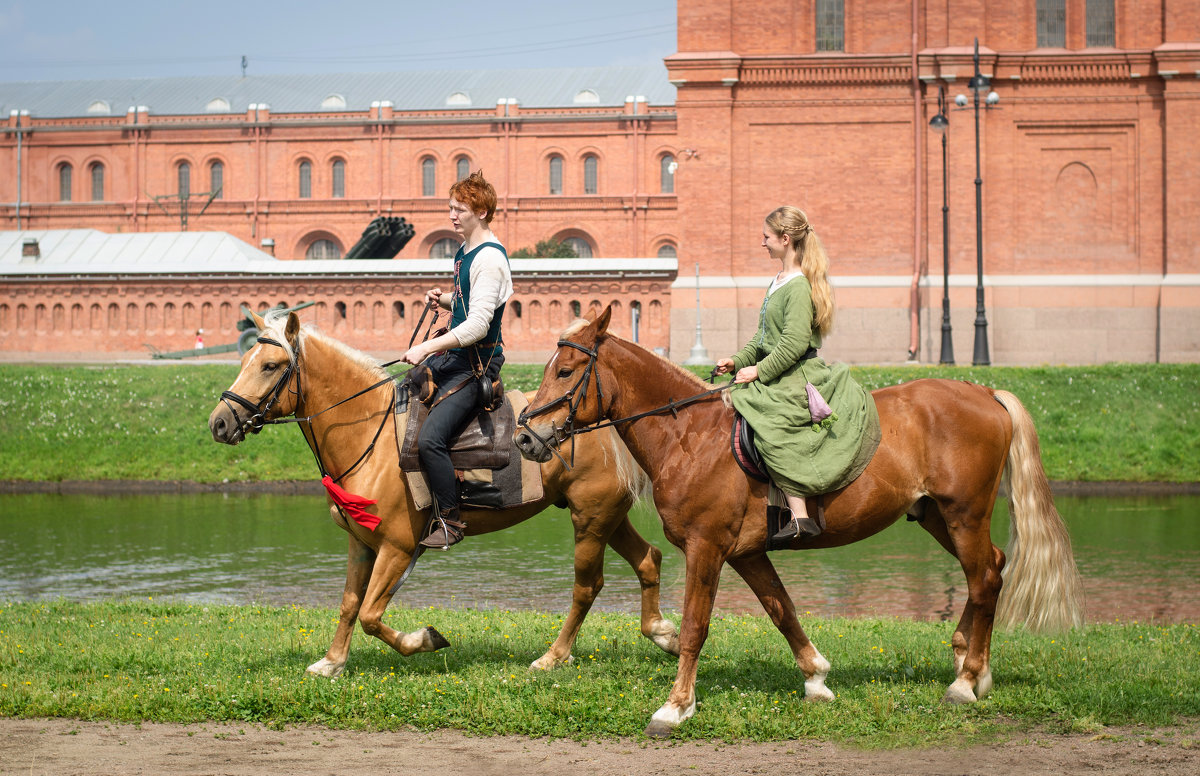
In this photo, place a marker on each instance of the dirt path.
(42, 747)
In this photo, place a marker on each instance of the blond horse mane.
(275, 320)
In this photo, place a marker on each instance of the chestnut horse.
(945, 446)
(300, 372)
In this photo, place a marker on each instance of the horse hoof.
(983, 685)
(657, 729)
(959, 692)
(548, 662)
(436, 640)
(326, 668)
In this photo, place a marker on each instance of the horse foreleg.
(360, 562)
(646, 560)
(589, 579)
(703, 574)
(388, 568)
(759, 573)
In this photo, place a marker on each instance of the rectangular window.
(831, 25)
(1101, 23)
(185, 180)
(1051, 23)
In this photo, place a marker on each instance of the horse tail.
(632, 478)
(1042, 587)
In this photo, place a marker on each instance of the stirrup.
(448, 533)
(803, 528)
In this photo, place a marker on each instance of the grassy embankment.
(1133, 423)
(141, 660)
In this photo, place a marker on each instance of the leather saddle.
(485, 443)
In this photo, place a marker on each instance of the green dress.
(803, 458)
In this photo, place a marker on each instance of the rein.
(574, 398)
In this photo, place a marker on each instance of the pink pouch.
(817, 407)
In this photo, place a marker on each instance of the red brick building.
(1090, 200)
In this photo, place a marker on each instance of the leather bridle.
(574, 397)
(258, 411)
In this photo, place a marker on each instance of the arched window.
(428, 177)
(97, 182)
(581, 247)
(667, 252)
(339, 179)
(216, 180)
(462, 167)
(590, 163)
(556, 174)
(666, 174)
(305, 180)
(444, 248)
(64, 182)
(184, 177)
(323, 249)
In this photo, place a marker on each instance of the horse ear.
(292, 330)
(259, 323)
(602, 321)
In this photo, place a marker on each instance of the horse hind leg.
(646, 561)
(759, 573)
(933, 521)
(388, 569)
(589, 580)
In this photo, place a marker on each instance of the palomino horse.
(298, 372)
(945, 447)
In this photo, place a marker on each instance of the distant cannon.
(245, 341)
(383, 238)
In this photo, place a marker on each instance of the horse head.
(572, 395)
(264, 388)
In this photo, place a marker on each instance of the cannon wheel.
(246, 340)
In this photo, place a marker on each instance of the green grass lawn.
(1135, 423)
(142, 660)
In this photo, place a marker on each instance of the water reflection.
(1138, 555)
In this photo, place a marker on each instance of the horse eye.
(564, 373)
(270, 366)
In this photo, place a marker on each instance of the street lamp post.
(941, 124)
(978, 84)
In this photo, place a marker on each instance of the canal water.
(1139, 557)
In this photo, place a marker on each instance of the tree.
(546, 249)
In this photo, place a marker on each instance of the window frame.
(555, 174)
(304, 187)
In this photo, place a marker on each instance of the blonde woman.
(804, 455)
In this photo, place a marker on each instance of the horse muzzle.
(224, 427)
(534, 445)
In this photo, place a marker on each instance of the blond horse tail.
(1042, 588)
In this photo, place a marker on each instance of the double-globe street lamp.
(940, 124)
(979, 84)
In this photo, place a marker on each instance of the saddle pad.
(519, 482)
(485, 443)
(744, 451)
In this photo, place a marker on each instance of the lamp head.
(992, 99)
(939, 123)
(961, 100)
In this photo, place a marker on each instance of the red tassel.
(352, 504)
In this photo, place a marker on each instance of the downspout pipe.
(914, 339)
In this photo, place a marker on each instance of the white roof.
(92, 252)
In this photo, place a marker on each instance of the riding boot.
(803, 528)
(448, 531)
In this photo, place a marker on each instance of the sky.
(65, 40)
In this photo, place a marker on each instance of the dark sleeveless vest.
(492, 344)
